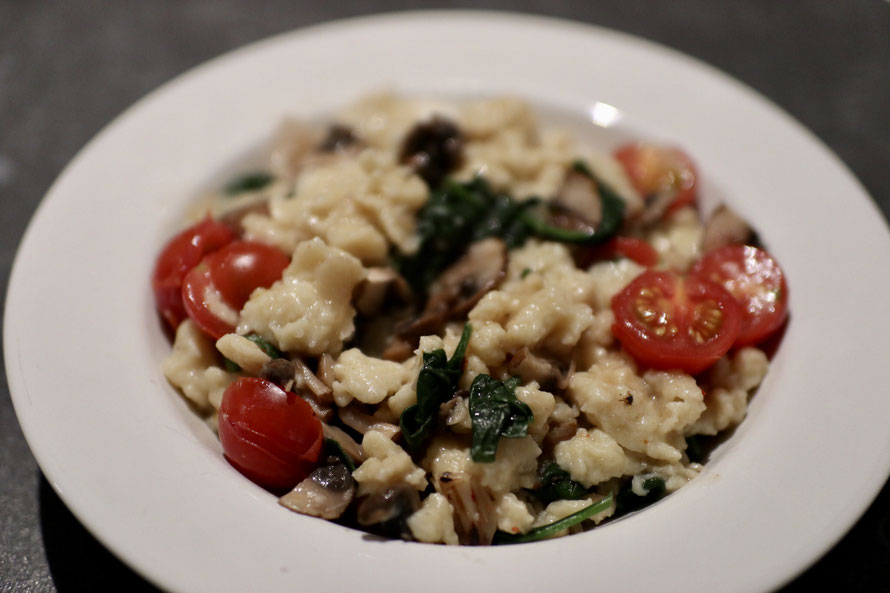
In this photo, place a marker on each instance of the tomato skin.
(656, 170)
(632, 248)
(240, 267)
(666, 322)
(181, 254)
(233, 272)
(756, 281)
(269, 435)
(195, 289)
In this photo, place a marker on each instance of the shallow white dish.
(146, 476)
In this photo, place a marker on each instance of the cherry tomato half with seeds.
(666, 322)
(756, 281)
(214, 291)
(659, 171)
(181, 254)
(271, 436)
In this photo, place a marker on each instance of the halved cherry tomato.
(666, 322)
(180, 255)
(659, 171)
(756, 281)
(632, 248)
(240, 267)
(225, 279)
(269, 435)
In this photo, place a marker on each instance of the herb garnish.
(248, 182)
(557, 485)
(495, 413)
(436, 384)
(546, 531)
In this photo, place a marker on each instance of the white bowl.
(146, 476)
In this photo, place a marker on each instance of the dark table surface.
(69, 66)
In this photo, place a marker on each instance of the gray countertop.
(67, 67)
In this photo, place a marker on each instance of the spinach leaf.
(629, 501)
(495, 412)
(436, 384)
(554, 222)
(265, 346)
(546, 531)
(248, 182)
(333, 449)
(694, 449)
(455, 215)
(557, 485)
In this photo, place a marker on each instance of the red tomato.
(180, 255)
(240, 267)
(198, 294)
(228, 276)
(756, 281)
(666, 322)
(269, 435)
(636, 249)
(657, 170)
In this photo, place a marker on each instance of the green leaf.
(455, 215)
(248, 182)
(495, 412)
(552, 529)
(333, 449)
(628, 501)
(537, 215)
(436, 384)
(557, 485)
(265, 346)
(231, 366)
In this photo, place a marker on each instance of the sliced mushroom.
(326, 493)
(326, 370)
(725, 227)
(306, 379)
(380, 283)
(531, 367)
(578, 195)
(339, 138)
(398, 349)
(559, 432)
(361, 422)
(474, 507)
(434, 149)
(280, 371)
(456, 414)
(387, 512)
(346, 442)
(459, 288)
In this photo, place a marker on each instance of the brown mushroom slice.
(306, 379)
(346, 442)
(461, 286)
(725, 227)
(398, 502)
(279, 371)
(562, 431)
(579, 195)
(380, 283)
(474, 507)
(326, 370)
(361, 422)
(326, 493)
(398, 349)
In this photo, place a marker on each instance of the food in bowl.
(441, 322)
